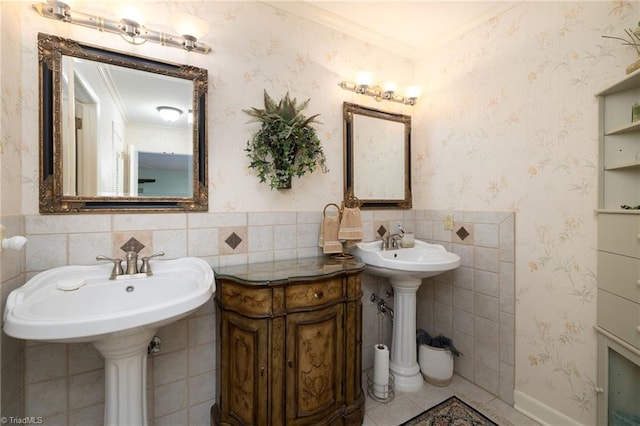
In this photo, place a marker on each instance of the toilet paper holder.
(371, 387)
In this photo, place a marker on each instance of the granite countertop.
(285, 270)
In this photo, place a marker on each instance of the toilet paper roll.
(381, 371)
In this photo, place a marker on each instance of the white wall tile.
(169, 367)
(86, 389)
(172, 242)
(203, 242)
(486, 235)
(46, 252)
(170, 398)
(83, 248)
(46, 362)
(58, 224)
(260, 238)
(46, 398)
(272, 218)
(143, 222)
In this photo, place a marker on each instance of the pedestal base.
(125, 357)
(404, 358)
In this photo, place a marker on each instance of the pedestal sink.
(120, 317)
(405, 268)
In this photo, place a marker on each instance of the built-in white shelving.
(619, 181)
(619, 254)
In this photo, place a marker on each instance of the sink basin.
(120, 317)
(39, 310)
(423, 260)
(405, 268)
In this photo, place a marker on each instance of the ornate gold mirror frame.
(377, 157)
(53, 199)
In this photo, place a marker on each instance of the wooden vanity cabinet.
(290, 343)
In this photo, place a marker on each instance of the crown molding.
(308, 11)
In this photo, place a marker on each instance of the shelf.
(631, 127)
(621, 166)
(617, 211)
(632, 81)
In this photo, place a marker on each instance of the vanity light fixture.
(169, 113)
(363, 86)
(129, 29)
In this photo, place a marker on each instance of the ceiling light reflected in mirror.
(168, 113)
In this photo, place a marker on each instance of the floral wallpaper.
(509, 121)
(10, 129)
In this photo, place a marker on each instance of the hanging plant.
(286, 145)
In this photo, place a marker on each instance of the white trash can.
(436, 365)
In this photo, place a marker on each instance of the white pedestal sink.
(120, 317)
(405, 268)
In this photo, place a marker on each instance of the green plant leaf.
(285, 145)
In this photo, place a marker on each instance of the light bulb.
(389, 86)
(193, 26)
(130, 13)
(413, 92)
(364, 78)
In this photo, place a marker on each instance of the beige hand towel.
(351, 225)
(329, 234)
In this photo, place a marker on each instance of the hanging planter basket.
(285, 145)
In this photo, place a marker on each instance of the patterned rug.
(452, 412)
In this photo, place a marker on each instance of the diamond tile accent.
(233, 240)
(462, 233)
(132, 245)
(382, 230)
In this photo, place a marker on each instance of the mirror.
(377, 157)
(105, 145)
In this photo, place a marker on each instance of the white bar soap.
(71, 284)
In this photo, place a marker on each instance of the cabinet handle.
(638, 329)
(599, 390)
(319, 294)
(262, 371)
(290, 363)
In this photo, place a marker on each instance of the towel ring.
(324, 212)
(351, 201)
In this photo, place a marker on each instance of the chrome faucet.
(117, 266)
(132, 247)
(391, 242)
(146, 267)
(132, 264)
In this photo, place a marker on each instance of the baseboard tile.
(540, 412)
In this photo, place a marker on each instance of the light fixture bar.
(379, 94)
(129, 30)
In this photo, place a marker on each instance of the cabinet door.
(243, 357)
(315, 363)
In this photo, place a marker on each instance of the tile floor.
(408, 405)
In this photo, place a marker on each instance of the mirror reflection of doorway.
(164, 174)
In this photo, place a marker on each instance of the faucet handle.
(117, 266)
(146, 268)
